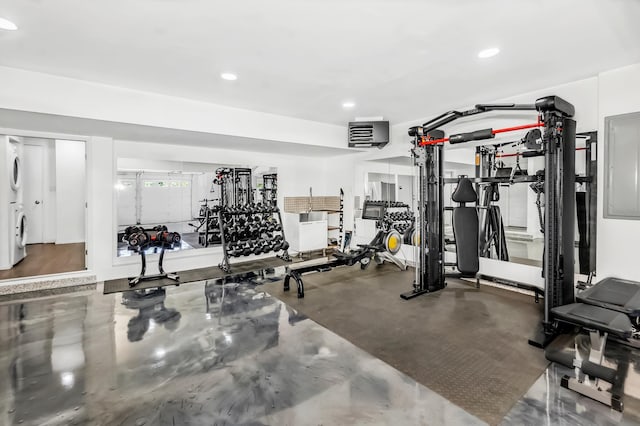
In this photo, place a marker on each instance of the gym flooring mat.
(467, 344)
(213, 272)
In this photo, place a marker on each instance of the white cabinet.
(307, 236)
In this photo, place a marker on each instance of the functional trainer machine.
(556, 144)
(610, 308)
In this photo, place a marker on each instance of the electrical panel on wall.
(367, 134)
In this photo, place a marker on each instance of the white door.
(33, 184)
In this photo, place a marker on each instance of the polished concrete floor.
(228, 353)
(198, 354)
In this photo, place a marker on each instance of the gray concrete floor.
(199, 354)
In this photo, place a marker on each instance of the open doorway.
(43, 220)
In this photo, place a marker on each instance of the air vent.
(361, 133)
(365, 134)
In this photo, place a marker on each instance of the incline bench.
(610, 307)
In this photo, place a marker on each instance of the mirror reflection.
(177, 200)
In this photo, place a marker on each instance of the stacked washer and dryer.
(13, 223)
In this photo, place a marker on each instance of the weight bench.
(605, 309)
(383, 246)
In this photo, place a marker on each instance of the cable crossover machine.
(556, 144)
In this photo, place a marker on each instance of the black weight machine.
(608, 308)
(140, 240)
(557, 144)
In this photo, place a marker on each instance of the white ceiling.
(59, 124)
(401, 59)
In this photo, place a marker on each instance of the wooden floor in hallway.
(45, 259)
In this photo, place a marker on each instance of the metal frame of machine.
(558, 147)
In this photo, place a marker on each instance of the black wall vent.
(365, 134)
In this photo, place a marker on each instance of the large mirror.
(182, 196)
(43, 217)
(510, 208)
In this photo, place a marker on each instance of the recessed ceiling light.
(5, 24)
(228, 76)
(487, 53)
(348, 104)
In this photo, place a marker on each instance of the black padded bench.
(615, 294)
(605, 309)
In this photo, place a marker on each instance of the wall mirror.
(182, 196)
(44, 213)
(509, 211)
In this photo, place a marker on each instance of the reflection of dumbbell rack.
(209, 228)
(140, 240)
(396, 215)
(251, 230)
(341, 220)
(270, 189)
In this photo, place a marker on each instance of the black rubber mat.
(122, 284)
(467, 344)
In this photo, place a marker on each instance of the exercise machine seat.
(465, 229)
(596, 318)
(614, 294)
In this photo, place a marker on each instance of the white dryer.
(18, 234)
(14, 169)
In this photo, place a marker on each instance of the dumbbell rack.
(140, 239)
(236, 228)
(401, 218)
(162, 274)
(210, 221)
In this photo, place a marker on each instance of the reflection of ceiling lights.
(6, 24)
(488, 53)
(67, 379)
(160, 353)
(228, 76)
(348, 105)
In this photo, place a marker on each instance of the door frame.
(88, 253)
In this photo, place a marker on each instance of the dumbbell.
(159, 228)
(167, 237)
(138, 238)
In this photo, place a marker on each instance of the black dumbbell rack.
(208, 231)
(140, 239)
(162, 274)
(400, 218)
(397, 215)
(251, 230)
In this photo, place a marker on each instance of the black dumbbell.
(138, 238)
(285, 245)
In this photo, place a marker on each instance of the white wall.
(70, 194)
(38, 92)
(619, 93)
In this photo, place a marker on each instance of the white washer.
(18, 234)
